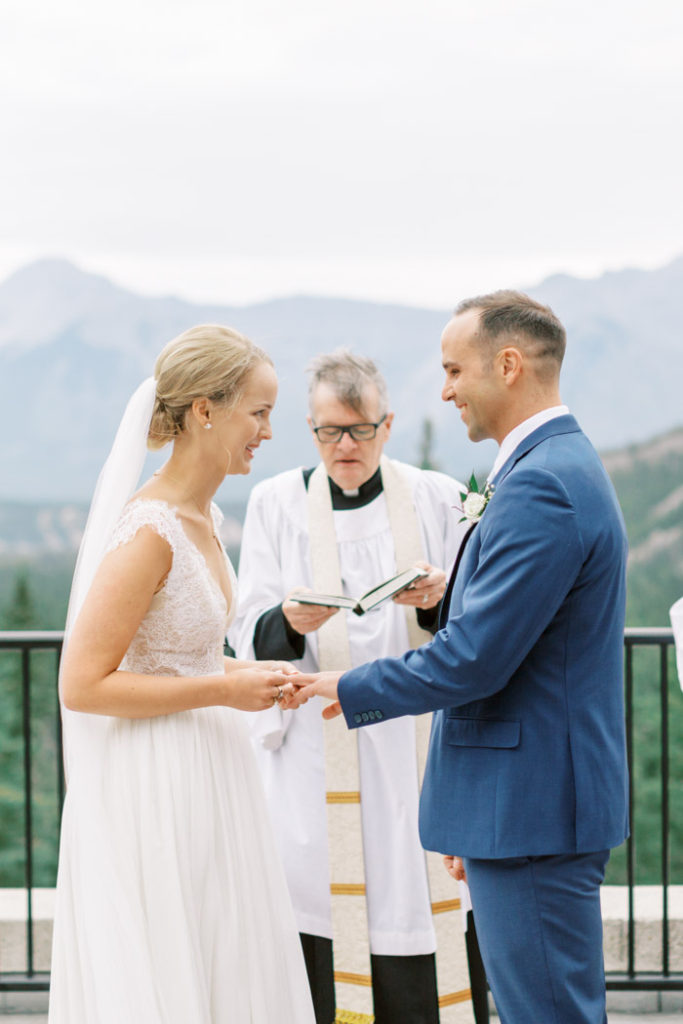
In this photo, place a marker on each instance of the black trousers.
(403, 987)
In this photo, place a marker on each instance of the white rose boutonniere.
(475, 501)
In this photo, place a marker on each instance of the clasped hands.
(291, 688)
(298, 687)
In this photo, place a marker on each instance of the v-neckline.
(173, 509)
(202, 557)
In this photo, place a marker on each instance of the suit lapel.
(559, 425)
(446, 599)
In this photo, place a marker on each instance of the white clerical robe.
(289, 745)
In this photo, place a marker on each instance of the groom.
(526, 782)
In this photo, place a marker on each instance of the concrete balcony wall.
(648, 934)
(13, 929)
(647, 913)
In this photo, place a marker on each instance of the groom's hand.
(455, 868)
(320, 684)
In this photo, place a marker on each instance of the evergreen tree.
(20, 612)
(426, 442)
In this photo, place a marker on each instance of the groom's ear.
(510, 363)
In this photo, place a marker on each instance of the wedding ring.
(279, 695)
(424, 599)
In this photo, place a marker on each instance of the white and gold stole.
(353, 981)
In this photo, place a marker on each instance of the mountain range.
(73, 346)
(648, 478)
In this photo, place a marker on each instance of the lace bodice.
(184, 629)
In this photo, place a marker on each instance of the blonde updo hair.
(208, 361)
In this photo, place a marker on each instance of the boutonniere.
(475, 501)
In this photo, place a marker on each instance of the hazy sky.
(415, 152)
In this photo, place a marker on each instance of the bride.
(172, 907)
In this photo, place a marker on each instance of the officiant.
(344, 805)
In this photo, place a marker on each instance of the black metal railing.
(637, 640)
(23, 644)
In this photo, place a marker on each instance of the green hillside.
(649, 481)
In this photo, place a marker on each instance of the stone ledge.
(13, 929)
(647, 912)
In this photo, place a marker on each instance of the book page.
(326, 600)
(386, 590)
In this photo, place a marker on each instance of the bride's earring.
(207, 426)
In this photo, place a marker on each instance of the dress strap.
(146, 512)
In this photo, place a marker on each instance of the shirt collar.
(513, 440)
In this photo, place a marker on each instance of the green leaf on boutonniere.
(475, 501)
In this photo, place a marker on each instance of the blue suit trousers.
(540, 932)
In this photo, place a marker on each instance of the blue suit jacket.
(527, 754)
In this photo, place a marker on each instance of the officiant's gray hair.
(349, 376)
(508, 316)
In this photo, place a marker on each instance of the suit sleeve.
(530, 554)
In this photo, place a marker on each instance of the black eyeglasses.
(358, 431)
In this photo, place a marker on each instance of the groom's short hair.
(510, 317)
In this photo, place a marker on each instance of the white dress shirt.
(522, 430)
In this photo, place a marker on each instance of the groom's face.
(472, 383)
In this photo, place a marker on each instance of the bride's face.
(241, 429)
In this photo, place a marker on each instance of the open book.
(371, 599)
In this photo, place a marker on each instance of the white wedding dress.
(172, 907)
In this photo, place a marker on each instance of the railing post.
(28, 801)
(664, 695)
(630, 842)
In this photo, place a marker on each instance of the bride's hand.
(234, 664)
(255, 689)
(322, 684)
(278, 666)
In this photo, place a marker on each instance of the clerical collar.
(343, 501)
